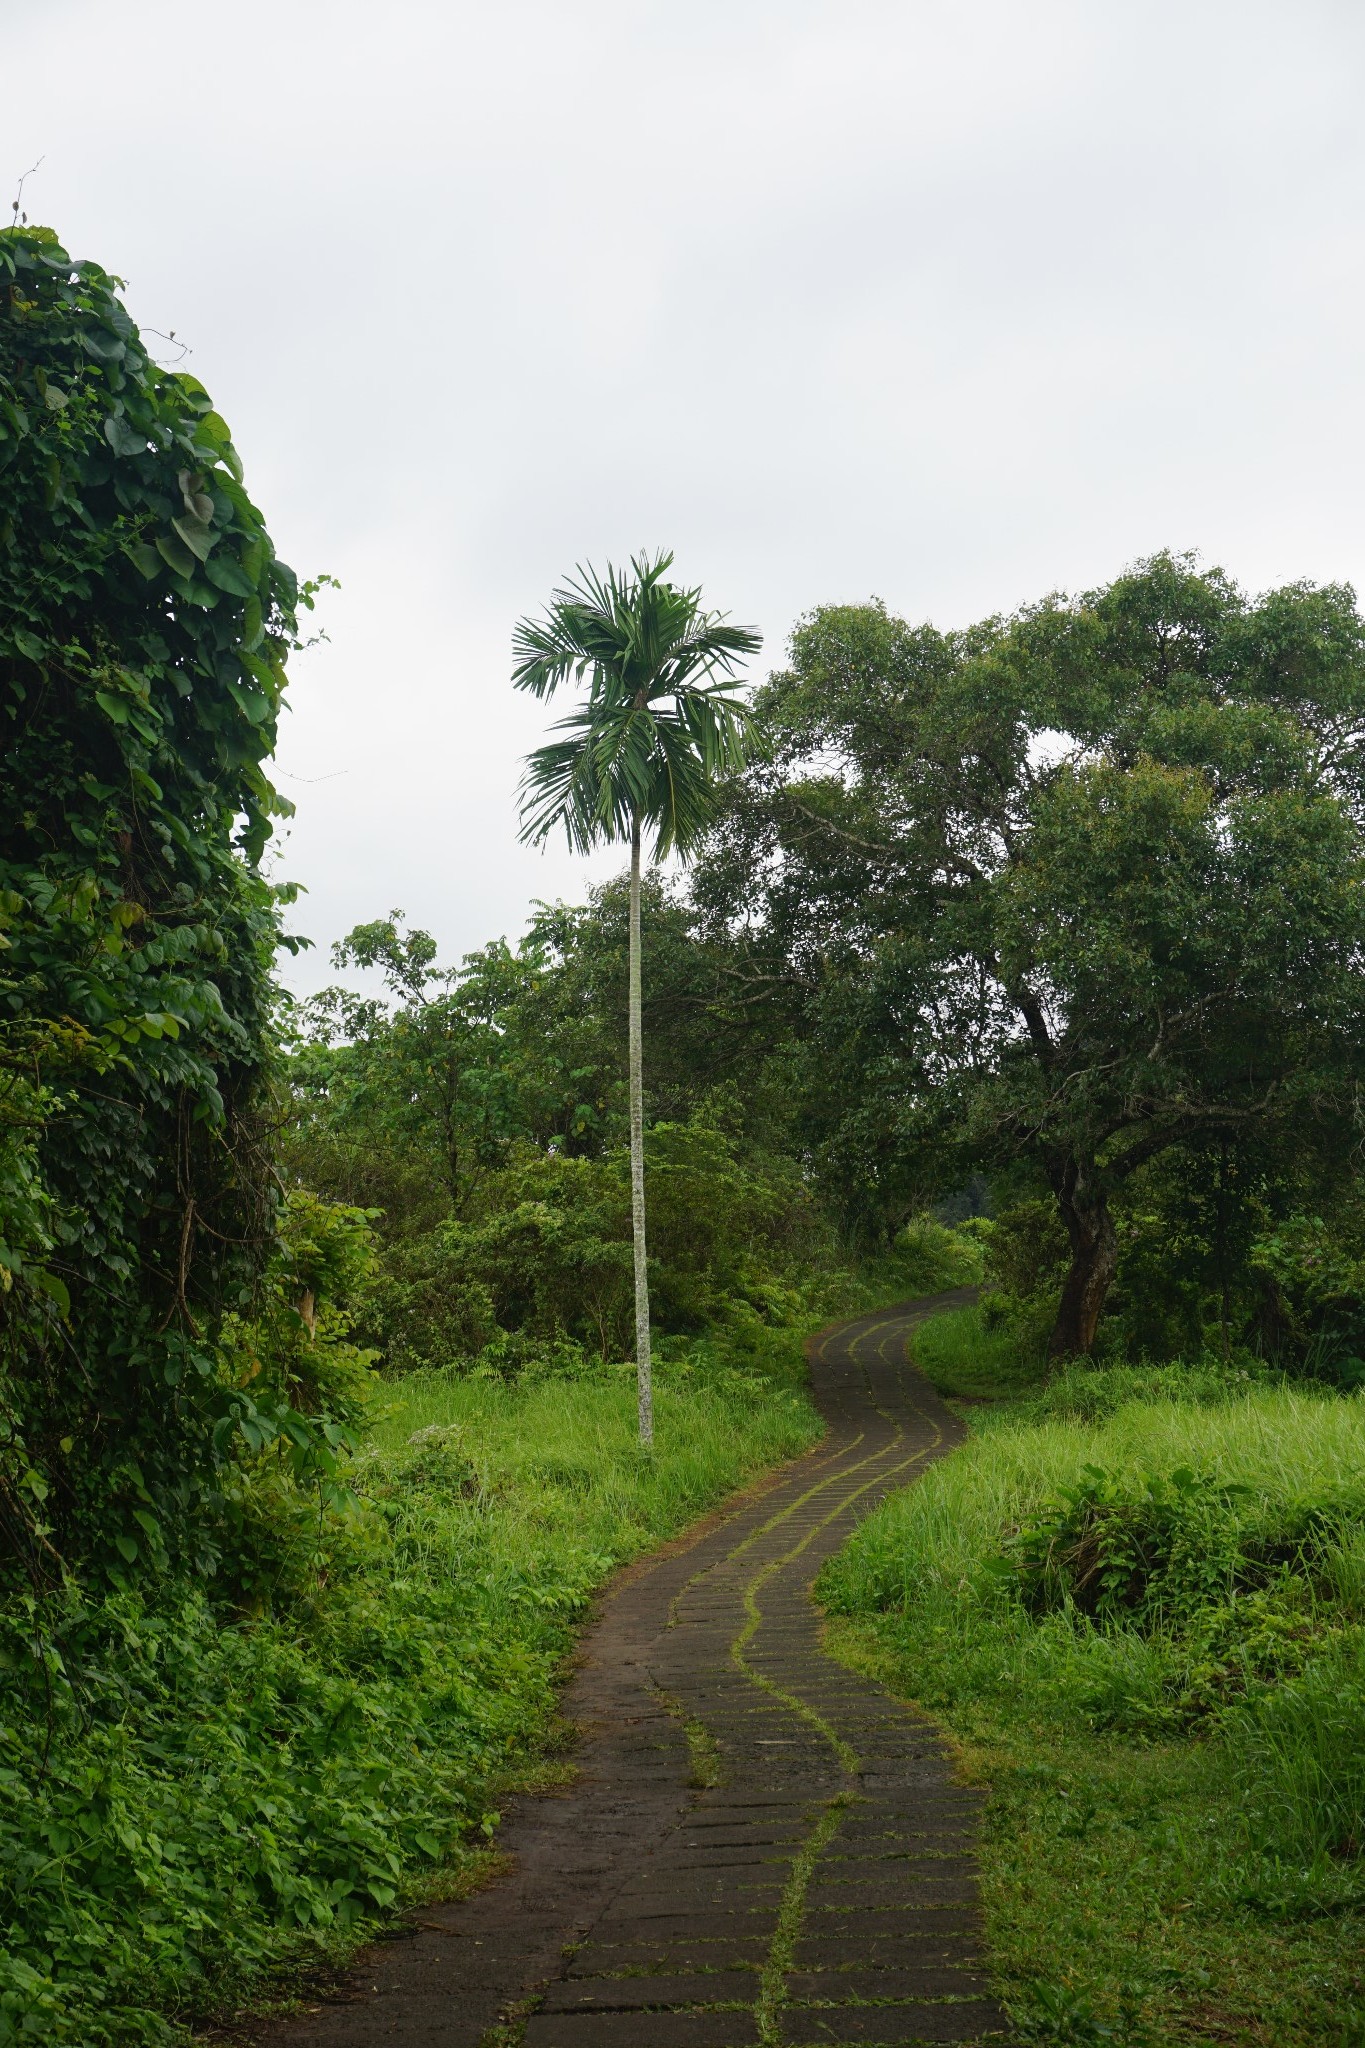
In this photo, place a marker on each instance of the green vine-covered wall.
(145, 620)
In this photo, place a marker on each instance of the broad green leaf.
(197, 535)
(194, 392)
(103, 346)
(49, 1284)
(251, 703)
(123, 439)
(263, 671)
(144, 558)
(229, 575)
(175, 552)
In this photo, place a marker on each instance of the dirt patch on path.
(760, 1847)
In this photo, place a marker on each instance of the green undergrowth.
(959, 1356)
(197, 1798)
(924, 1258)
(1137, 1598)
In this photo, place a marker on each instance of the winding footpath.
(760, 1847)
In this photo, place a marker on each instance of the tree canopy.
(1065, 891)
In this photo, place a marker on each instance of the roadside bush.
(1145, 1552)
(935, 1256)
(1148, 1627)
(1298, 1751)
(1027, 1251)
(189, 1797)
(546, 1258)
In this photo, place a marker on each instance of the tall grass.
(960, 1354)
(1178, 1808)
(204, 1796)
(1298, 1753)
(551, 1482)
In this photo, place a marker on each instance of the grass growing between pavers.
(1137, 1599)
(225, 1796)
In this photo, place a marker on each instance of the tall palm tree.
(640, 753)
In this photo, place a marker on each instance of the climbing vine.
(145, 621)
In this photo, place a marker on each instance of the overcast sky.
(954, 303)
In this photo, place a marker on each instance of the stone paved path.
(821, 1890)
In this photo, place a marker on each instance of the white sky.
(954, 301)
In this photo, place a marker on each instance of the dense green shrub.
(931, 1256)
(1316, 1273)
(144, 624)
(1146, 1617)
(545, 1254)
(184, 1800)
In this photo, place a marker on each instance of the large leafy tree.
(410, 1102)
(144, 624)
(1066, 892)
(639, 756)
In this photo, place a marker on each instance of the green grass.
(216, 1796)
(1178, 1782)
(960, 1356)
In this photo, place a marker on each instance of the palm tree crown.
(660, 719)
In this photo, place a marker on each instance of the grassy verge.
(1137, 1598)
(202, 1798)
(962, 1357)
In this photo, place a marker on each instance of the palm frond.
(660, 720)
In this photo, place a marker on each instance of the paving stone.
(665, 1927)
(626, 1994)
(700, 1957)
(872, 1922)
(641, 2030)
(636, 1904)
(893, 1866)
(920, 1980)
(891, 2026)
(818, 1949)
(848, 1895)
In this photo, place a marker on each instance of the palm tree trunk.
(644, 1376)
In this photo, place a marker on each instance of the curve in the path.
(760, 1847)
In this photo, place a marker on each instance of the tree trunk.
(643, 1372)
(1084, 1208)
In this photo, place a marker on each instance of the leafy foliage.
(514, 1063)
(1144, 1612)
(145, 621)
(201, 1802)
(656, 726)
(436, 1080)
(1064, 895)
(548, 1256)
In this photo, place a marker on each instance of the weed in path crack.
(510, 2030)
(702, 1748)
(772, 1990)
